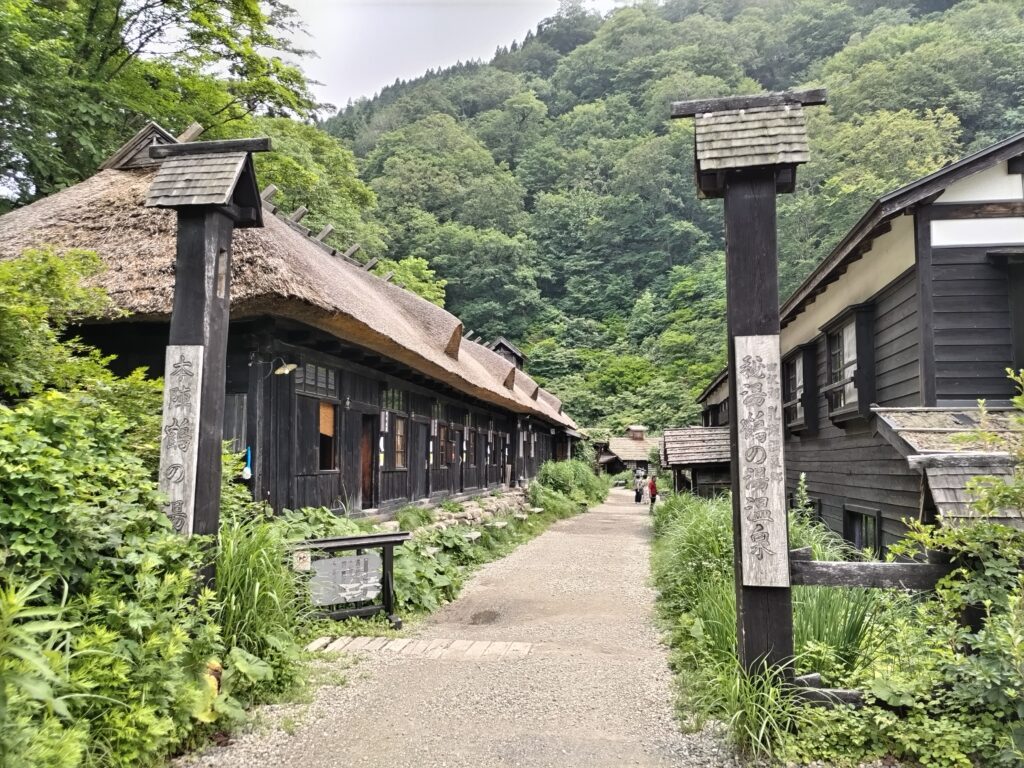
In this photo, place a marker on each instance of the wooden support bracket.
(914, 576)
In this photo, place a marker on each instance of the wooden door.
(367, 453)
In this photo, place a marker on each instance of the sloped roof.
(630, 449)
(875, 220)
(196, 180)
(946, 430)
(742, 138)
(939, 443)
(954, 501)
(696, 445)
(276, 270)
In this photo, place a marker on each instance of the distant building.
(630, 452)
(888, 345)
(698, 458)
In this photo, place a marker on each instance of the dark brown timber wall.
(855, 466)
(973, 337)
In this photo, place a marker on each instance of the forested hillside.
(543, 195)
(550, 190)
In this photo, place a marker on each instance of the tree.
(76, 78)
(414, 274)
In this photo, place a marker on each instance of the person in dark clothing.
(638, 487)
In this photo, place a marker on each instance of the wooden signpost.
(212, 186)
(746, 151)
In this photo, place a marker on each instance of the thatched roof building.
(277, 270)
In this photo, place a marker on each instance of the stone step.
(472, 535)
(430, 649)
(497, 524)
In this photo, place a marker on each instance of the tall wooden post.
(746, 150)
(212, 186)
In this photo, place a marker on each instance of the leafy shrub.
(410, 518)
(574, 479)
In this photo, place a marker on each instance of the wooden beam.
(916, 576)
(191, 133)
(388, 276)
(268, 192)
(700, 106)
(925, 302)
(371, 264)
(1015, 164)
(963, 459)
(161, 151)
(830, 697)
(298, 213)
(325, 232)
(352, 251)
(977, 210)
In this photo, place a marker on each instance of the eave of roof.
(890, 205)
(706, 392)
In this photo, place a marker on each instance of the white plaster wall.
(891, 255)
(1004, 231)
(994, 183)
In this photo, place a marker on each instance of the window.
(440, 457)
(400, 458)
(862, 528)
(471, 447)
(328, 440)
(850, 363)
(395, 400)
(793, 389)
(842, 366)
(319, 380)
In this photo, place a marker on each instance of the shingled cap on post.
(756, 131)
(209, 173)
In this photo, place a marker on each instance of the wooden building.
(346, 391)
(921, 307)
(698, 458)
(632, 452)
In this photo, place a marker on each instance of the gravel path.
(594, 690)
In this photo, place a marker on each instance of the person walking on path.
(638, 488)
(652, 489)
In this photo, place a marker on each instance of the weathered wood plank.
(915, 576)
(809, 97)
(160, 151)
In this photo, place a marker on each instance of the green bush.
(410, 518)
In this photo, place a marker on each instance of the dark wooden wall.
(281, 425)
(972, 327)
(855, 465)
(897, 361)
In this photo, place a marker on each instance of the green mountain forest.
(543, 195)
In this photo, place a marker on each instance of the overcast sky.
(363, 45)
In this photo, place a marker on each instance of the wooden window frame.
(471, 447)
(857, 513)
(860, 318)
(399, 443)
(332, 452)
(316, 380)
(804, 360)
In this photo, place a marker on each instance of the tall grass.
(835, 630)
(261, 600)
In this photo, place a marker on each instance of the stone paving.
(549, 658)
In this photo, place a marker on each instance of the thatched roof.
(633, 449)
(689, 446)
(277, 271)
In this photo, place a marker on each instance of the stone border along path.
(548, 658)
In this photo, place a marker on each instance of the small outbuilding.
(699, 458)
(631, 452)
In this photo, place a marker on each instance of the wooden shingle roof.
(742, 138)
(196, 180)
(688, 446)
(953, 500)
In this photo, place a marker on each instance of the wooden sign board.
(179, 434)
(762, 480)
(348, 579)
